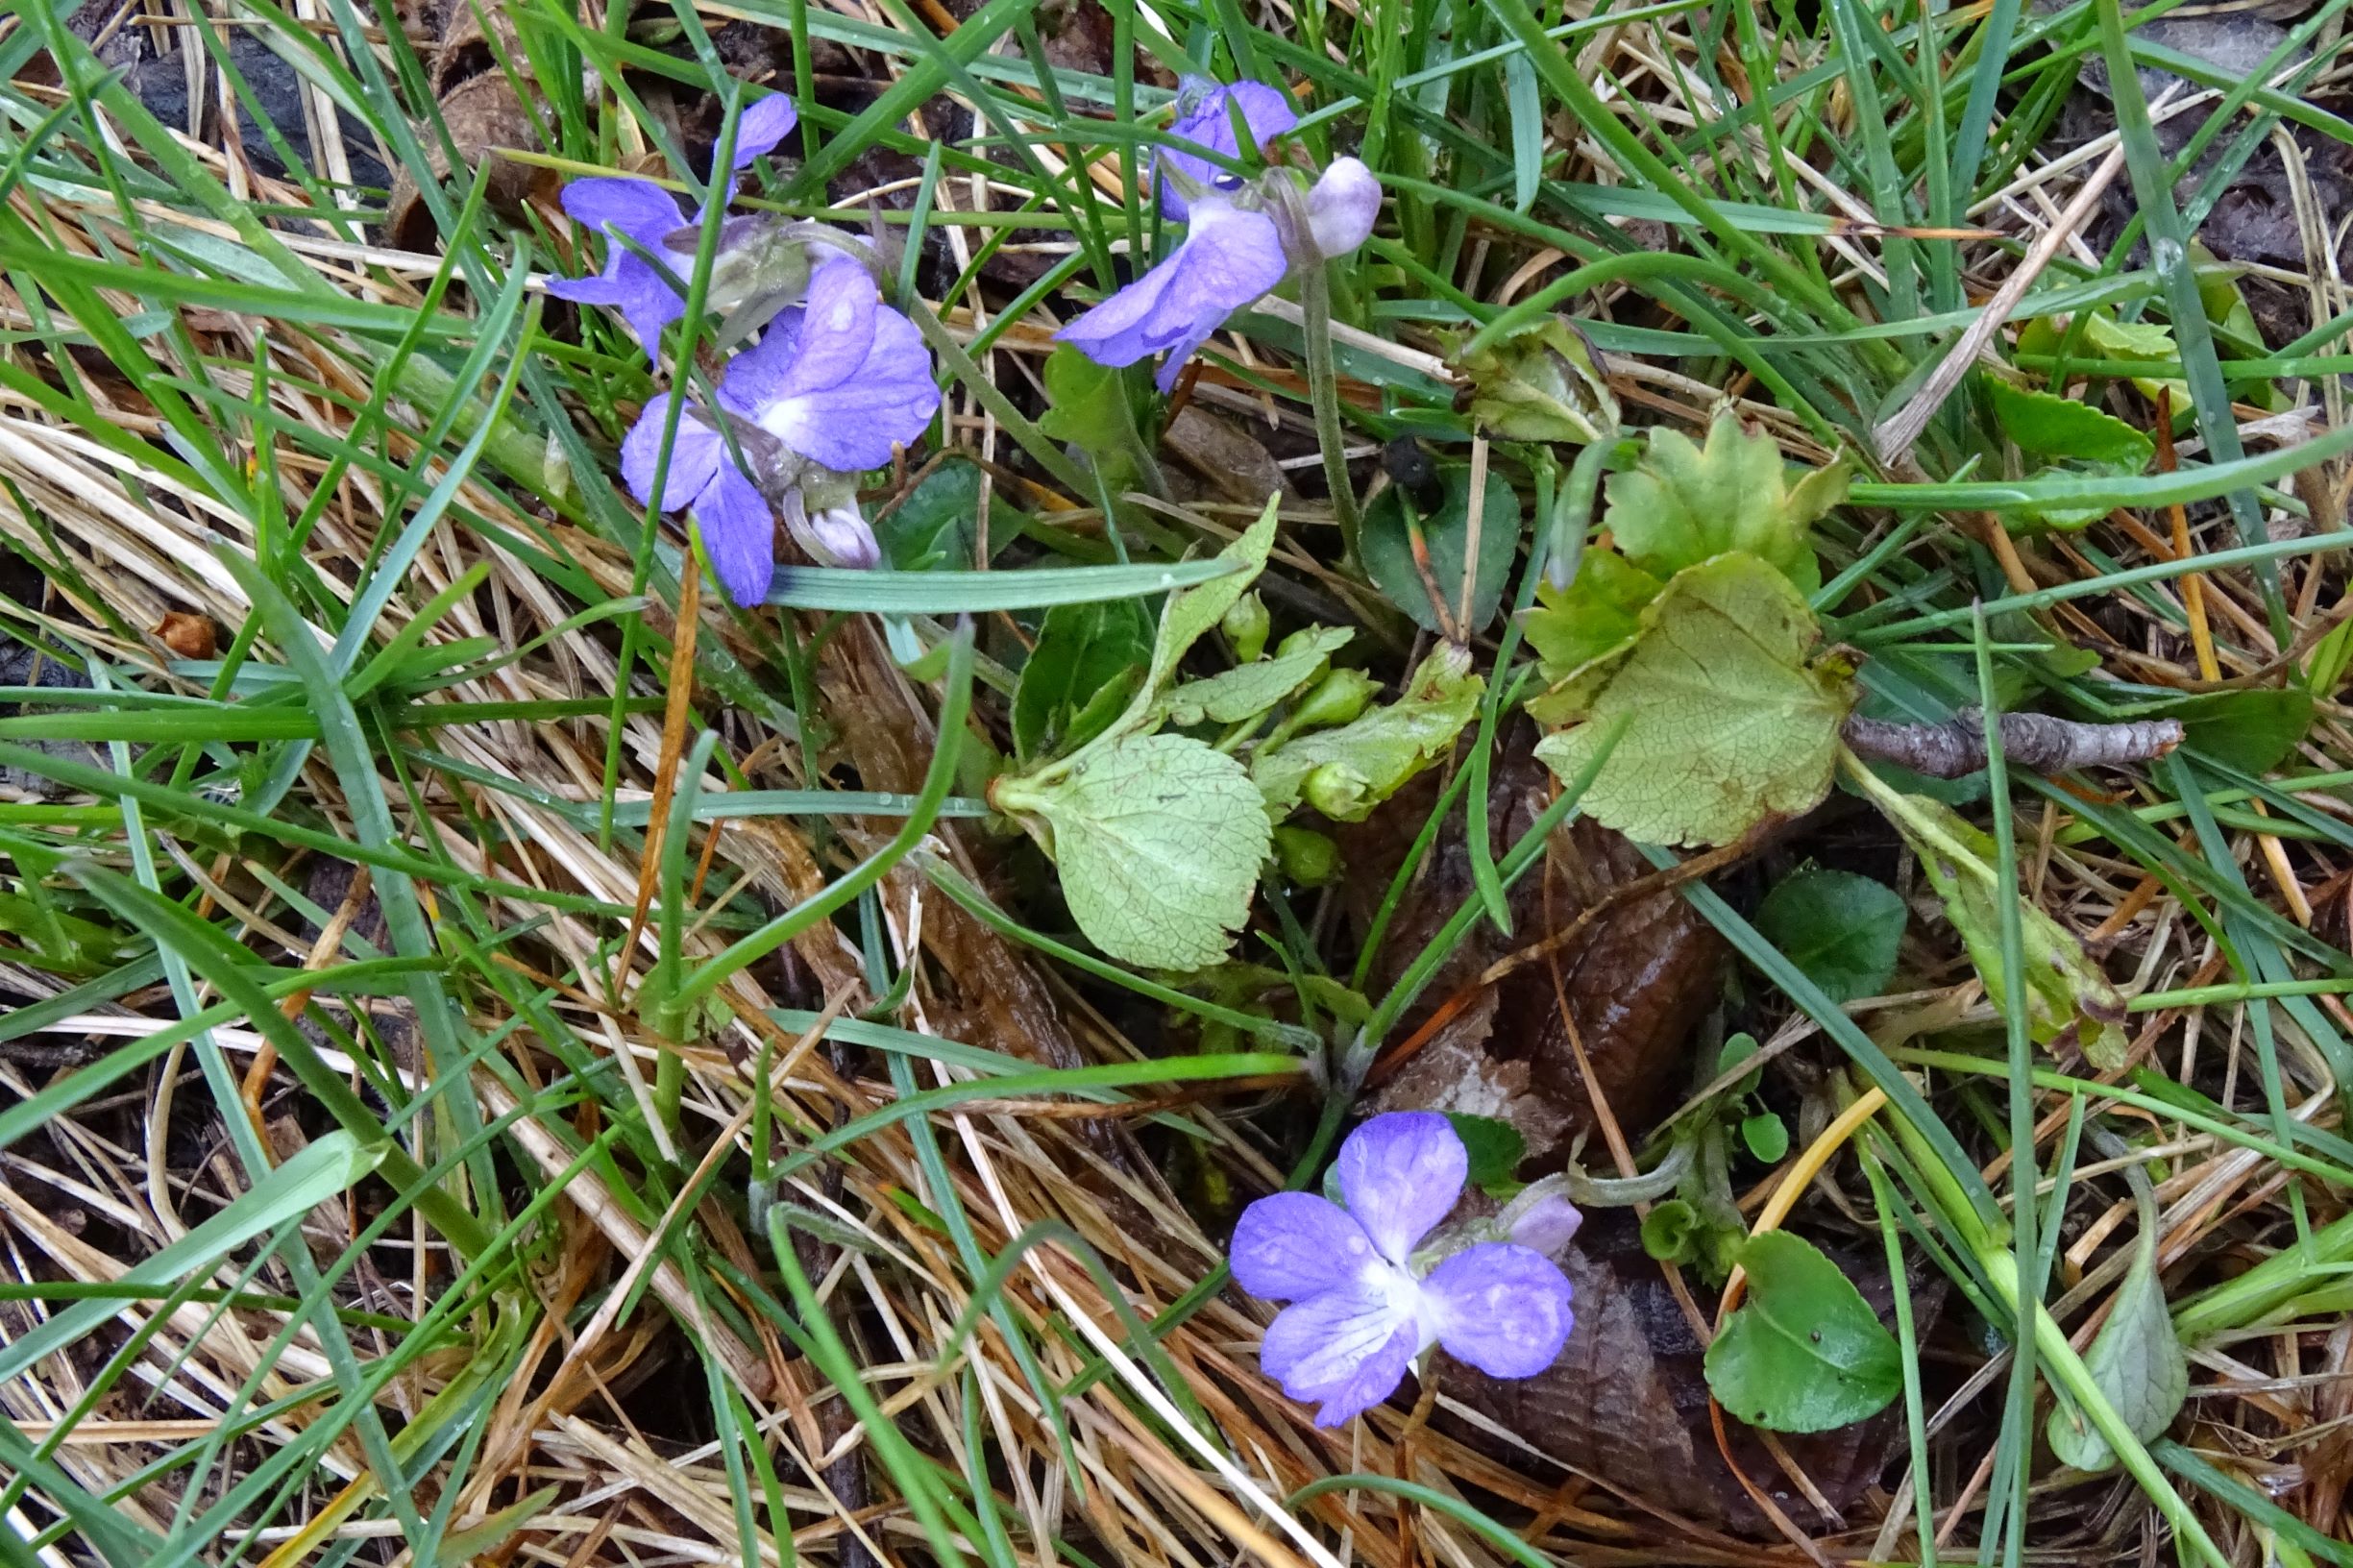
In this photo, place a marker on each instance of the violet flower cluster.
(1368, 1297)
(1243, 237)
(836, 383)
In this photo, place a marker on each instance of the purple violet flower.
(645, 213)
(831, 388)
(1363, 1307)
(1233, 255)
(1204, 120)
(1231, 258)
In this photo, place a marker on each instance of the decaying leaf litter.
(364, 856)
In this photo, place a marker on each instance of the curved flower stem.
(1324, 393)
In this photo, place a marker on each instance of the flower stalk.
(1324, 395)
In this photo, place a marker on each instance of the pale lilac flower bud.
(1342, 208)
(1541, 1218)
(838, 536)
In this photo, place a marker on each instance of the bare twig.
(2028, 740)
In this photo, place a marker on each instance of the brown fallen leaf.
(1636, 984)
(1455, 1073)
(1627, 1401)
(1236, 463)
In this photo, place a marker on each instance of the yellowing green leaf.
(2140, 340)
(1726, 722)
(1596, 615)
(1159, 839)
(1683, 504)
(1804, 1353)
(1540, 383)
(1248, 690)
(1362, 763)
(2066, 995)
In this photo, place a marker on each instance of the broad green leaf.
(1725, 724)
(1736, 1050)
(1159, 839)
(1248, 690)
(1087, 408)
(1495, 1146)
(2066, 995)
(1081, 650)
(1804, 1353)
(1684, 504)
(1345, 772)
(2136, 1361)
(1540, 383)
(1389, 550)
(2045, 425)
(1841, 929)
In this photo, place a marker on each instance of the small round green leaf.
(1804, 1353)
(1840, 929)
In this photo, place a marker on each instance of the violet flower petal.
(836, 331)
(1342, 206)
(697, 454)
(1347, 1348)
(1500, 1308)
(884, 403)
(1181, 351)
(1267, 110)
(639, 208)
(739, 534)
(1400, 1173)
(645, 212)
(764, 124)
(1231, 258)
(1375, 1379)
(1292, 1245)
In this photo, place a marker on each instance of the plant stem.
(1324, 392)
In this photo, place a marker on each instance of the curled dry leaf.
(188, 636)
(484, 117)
